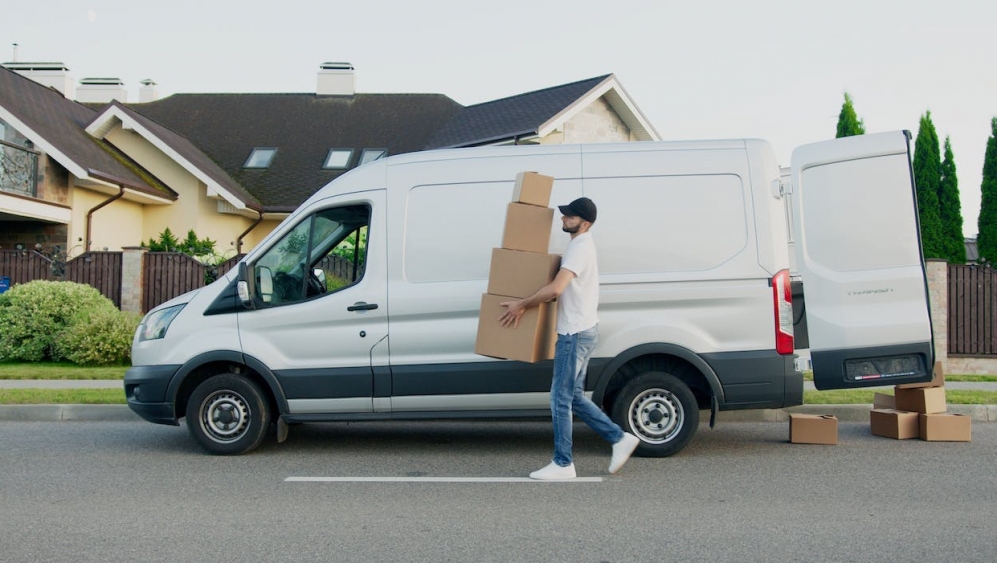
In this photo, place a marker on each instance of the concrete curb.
(67, 413)
(121, 413)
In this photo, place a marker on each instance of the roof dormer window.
(261, 157)
(338, 158)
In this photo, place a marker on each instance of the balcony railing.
(18, 170)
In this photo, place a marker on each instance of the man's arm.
(515, 309)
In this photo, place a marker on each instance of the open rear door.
(858, 250)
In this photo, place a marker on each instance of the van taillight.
(782, 301)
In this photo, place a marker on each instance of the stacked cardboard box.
(918, 410)
(518, 270)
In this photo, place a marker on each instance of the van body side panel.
(444, 219)
(757, 380)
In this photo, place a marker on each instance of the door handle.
(361, 306)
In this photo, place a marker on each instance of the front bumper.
(146, 391)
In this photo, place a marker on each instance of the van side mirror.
(319, 274)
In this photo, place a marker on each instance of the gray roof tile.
(61, 123)
(502, 119)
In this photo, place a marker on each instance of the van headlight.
(155, 324)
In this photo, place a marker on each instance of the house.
(232, 166)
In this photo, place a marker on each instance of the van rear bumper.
(145, 390)
(760, 379)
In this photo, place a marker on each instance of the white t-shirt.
(577, 304)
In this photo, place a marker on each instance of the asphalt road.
(129, 491)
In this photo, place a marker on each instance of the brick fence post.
(132, 278)
(938, 298)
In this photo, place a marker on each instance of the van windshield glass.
(325, 252)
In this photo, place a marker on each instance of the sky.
(770, 69)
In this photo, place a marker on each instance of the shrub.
(99, 337)
(34, 314)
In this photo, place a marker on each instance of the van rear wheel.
(658, 408)
(228, 415)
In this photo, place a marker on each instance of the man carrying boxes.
(576, 286)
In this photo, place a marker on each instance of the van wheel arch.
(196, 372)
(675, 360)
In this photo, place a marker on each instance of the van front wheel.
(659, 409)
(227, 415)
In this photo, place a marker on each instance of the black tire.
(228, 415)
(658, 408)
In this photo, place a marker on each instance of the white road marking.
(435, 480)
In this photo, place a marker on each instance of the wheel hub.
(657, 415)
(225, 416)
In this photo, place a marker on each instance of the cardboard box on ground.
(813, 429)
(918, 410)
(518, 270)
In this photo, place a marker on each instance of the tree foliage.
(848, 121)
(927, 178)
(986, 240)
(950, 210)
(191, 245)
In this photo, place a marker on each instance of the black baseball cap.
(581, 207)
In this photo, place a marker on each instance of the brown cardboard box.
(520, 274)
(883, 401)
(813, 429)
(926, 400)
(937, 379)
(945, 427)
(527, 228)
(532, 341)
(532, 189)
(891, 423)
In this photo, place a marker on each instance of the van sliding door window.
(324, 253)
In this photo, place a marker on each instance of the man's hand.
(514, 311)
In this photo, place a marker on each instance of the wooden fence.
(169, 274)
(22, 266)
(101, 270)
(972, 310)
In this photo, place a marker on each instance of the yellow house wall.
(193, 209)
(113, 226)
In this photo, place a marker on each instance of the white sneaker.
(622, 450)
(554, 472)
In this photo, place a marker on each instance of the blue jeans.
(567, 393)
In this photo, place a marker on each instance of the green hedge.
(46, 320)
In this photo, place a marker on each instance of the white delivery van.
(363, 304)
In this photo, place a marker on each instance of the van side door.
(859, 255)
(320, 304)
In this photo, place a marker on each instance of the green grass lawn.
(809, 376)
(62, 397)
(54, 370)
(864, 396)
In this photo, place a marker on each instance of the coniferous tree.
(927, 177)
(986, 240)
(848, 121)
(950, 209)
